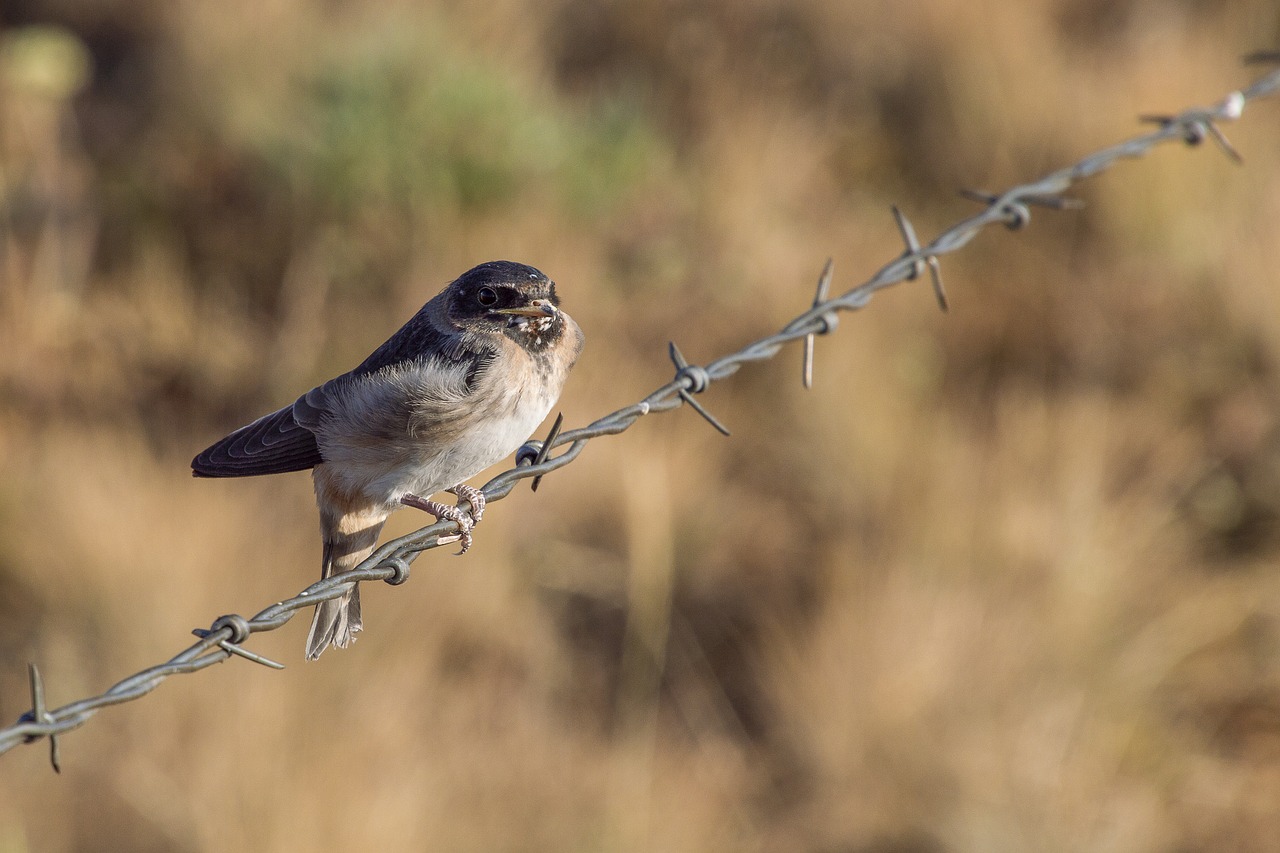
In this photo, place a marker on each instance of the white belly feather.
(511, 419)
(421, 429)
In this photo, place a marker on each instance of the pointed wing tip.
(273, 444)
(206, 466)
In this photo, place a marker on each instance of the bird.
(458, 388)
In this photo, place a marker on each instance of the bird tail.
(348, 540)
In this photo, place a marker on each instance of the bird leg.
(444, 512)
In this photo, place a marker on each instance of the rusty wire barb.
(391, 562)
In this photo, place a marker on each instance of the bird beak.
(536, 308)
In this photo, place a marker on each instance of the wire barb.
(1014, 208)
(400, 570)
(390, 562)
(546, 447)
(240, 631)
(38, 714)
(698, 380)
(908, 233)
(828, 325)
(1196, 125)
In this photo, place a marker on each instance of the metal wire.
(391, 562)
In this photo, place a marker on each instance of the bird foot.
(443, 512)
(473, 496)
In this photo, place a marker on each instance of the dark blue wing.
(273, 444)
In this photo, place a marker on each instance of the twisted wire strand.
(390, 562)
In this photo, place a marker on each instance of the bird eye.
(487, 296)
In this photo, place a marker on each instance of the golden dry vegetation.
(1005, 580)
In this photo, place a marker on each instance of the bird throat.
(535, 333)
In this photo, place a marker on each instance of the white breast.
(505, 421)
(421, 429)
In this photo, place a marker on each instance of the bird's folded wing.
(273, 444)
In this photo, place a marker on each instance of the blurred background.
(1005, 579)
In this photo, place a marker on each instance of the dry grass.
(1005, 580)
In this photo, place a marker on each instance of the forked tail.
(346, 545)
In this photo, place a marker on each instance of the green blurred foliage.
(403, 121)
(46, 60)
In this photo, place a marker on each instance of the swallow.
(458, 388)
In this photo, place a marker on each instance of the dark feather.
(273, 444)
(419, 338)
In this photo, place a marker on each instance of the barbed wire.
(391, 562)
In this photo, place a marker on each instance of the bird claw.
(443, 512)
(465, 524)
(473, 496)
